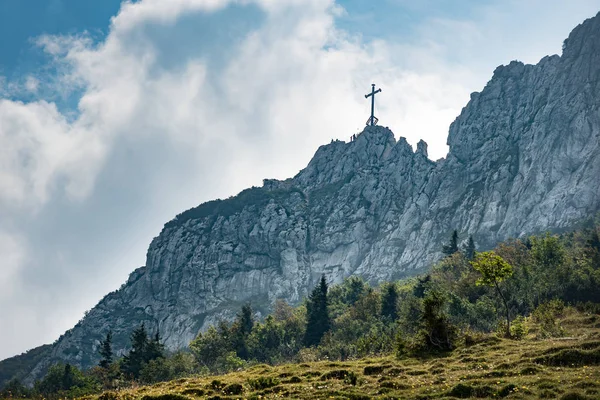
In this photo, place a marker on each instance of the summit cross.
(372, 120)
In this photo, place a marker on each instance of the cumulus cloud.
(152, 135)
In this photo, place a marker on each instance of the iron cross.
(372, 120)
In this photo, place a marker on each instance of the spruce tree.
(155, 348)
(317, 314)
(106, 351)
(389, 302)
(134, 361)
(241, 330)
(452, 247)
(355, 289)
(470, 249)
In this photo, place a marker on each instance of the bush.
(351, 378)
(335, 374)
(437, 333)
(571, 358)
(233, 389)
(546, 315)
(519, 329)
(263, 382)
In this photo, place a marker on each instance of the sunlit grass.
(498, 368)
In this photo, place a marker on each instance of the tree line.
(501, 290)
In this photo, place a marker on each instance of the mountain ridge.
(524, 156)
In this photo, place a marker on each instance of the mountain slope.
(524, 157)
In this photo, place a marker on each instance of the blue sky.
(116, 117)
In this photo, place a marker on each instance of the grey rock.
(524, 157)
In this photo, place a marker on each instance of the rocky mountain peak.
(524, 157)
(334, 161)
(422, 148)
(584, 40)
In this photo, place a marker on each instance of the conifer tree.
(356, 288)
(389, 302)
(106, 351)
(155, 348)
(242, 329)
(317, 314)
(470, 249)
(133, 362)
(452, 247)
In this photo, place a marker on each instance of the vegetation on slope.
(493, 324)
(486, 366)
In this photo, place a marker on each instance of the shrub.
(335, 374)
(374, 369)
(263, 382)
(546, 315)
(574, 396)
(166, 396)
(437, 333)
(571, 357)
(233, 389)
(351, 378)
(519, 329)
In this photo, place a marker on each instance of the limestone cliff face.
(524, 157)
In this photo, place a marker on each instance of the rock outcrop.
(524, 157)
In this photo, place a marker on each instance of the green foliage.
(518, 328)
(470, 249)
(415, 317)
(213, 348)
(317, 314)
(421, 286)
(493, 269)
(18, 367)
(389, 302)
(452, 246)
(106, 351)
(436, 333)
(546, 315)
(263, 382)
(143, 350)
(65, 380)
(241, 329)
(179, 365)
(14, 389)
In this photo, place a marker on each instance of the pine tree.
(155, 349)
(68, 378)
(317, 314)
(356, 288)
(241, 330)
(134, 361)
(106, 351)
(470, 249)
(389, 302)
(452, 247)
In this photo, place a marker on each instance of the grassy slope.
(494, 368)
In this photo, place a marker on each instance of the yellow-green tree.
(494, 269)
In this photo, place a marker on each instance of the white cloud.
(13, 257)
(38, 147)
